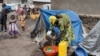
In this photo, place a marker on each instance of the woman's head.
(52, 19)
(58, 16)
(12, 17)
(19, 5)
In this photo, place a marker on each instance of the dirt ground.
(20, 46)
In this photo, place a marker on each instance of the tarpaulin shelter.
(75, 20)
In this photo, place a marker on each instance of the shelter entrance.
(1, 1)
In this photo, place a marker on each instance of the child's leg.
(14, 34)
(23, 28)
(1, 26)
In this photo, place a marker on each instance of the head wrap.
(52, 19)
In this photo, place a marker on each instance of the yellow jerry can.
(62, 49)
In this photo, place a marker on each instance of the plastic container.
(63, 48)
(50, 50)
(80, 52)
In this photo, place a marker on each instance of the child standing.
(23, 20)
(13, 30)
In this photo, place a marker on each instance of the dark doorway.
(23, 1)
(1, 1)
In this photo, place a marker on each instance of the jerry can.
(62, 49)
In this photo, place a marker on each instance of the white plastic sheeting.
(92, 42)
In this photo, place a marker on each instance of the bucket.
(50, 50)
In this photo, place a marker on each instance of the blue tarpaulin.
(75, 20)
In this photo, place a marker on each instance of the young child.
(23, 20)
(13, 30)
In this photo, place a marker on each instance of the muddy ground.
(20, 46)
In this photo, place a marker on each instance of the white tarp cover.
(92, 42)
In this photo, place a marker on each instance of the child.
(23, 20)
(13, 30)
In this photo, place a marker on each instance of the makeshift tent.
(92, 42)
(39, 31)
(75, 20)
